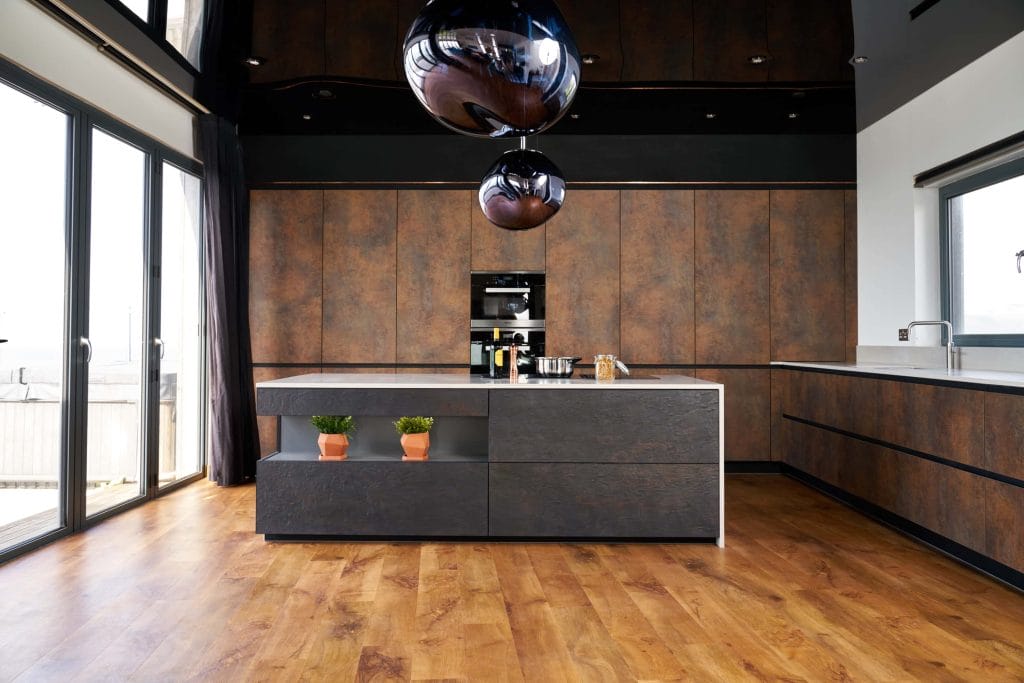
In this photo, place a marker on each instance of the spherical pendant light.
(492, 68)
(522, 190)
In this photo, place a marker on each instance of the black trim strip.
(977, 155)
(298, 538)
(577, 184)
(670, 366)
(910, 451)
(965, 383)
(963, 554)
(752, 467)
(922, 7)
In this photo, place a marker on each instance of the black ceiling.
(334, 67)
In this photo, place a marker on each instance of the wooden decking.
(182, 588)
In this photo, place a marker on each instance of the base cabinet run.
(947, 460)
(632, 464)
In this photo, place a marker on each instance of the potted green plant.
(415, 433)
(334, 431)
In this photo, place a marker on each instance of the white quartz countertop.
(464, 381)
(986, 377)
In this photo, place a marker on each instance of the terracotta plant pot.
(416, 446)
(333, 446)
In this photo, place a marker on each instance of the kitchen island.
(535, 459)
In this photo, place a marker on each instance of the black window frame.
(155, 29)
(950, 308)
(82, 119)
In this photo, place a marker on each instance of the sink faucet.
(950, 346)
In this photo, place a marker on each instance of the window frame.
(982, 179)
(155, 29)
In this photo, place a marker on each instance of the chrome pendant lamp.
(522, 189)
(498, 69)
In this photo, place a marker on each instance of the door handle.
(87, 345)
(160, 343)
(1019, 255)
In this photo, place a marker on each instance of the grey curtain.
(234, 441)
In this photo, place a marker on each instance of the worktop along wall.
(712, 283)
(898, 246)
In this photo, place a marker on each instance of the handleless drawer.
(604, 425)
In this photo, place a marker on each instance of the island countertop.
(465, 381)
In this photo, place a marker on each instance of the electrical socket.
(904, 334)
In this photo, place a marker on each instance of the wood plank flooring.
(807, 590)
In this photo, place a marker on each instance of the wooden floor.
(182, 588)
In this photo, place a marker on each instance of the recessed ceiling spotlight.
(307, 117)
(792, 115)
(254, 61)
(323, 94)
(711, 115)
(758, 59)
(859, 59)
(590, 58)
(574, 116)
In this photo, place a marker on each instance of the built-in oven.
(513, 305)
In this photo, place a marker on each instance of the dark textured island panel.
(331, 401)
(625, 426)
(381, 498)
(604, 500)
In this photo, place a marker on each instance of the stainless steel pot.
(556, 366)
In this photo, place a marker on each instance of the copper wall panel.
(725, 34)
(805, 40)
(747, 411)
(808, 301)
(433, 276)
(850, 259)
(656, 273)
(595, 26)
(358, 38)
(360, 251)
(1004, 434)
(499, 249)
(1004, 509)
(657, 40)
(731, 276)
(583, 276)
(290, 36)
(286, 275)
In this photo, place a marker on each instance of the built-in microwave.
(506, 298)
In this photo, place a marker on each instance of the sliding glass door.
(33, 302)
(102, 395)
(180, 413)
(116, 348)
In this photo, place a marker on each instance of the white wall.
(32, 39)
(897, 225)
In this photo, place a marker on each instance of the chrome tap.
(950, 346)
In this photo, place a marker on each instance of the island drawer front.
(351, 498)
(598, 425)
(604, 500)
(434, 402)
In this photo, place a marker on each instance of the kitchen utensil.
(556, 366)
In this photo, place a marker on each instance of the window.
(983, 232)
(176, 24)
